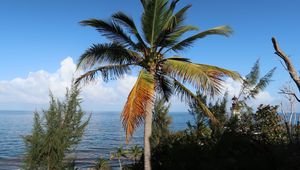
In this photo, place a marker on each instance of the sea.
(102, 136)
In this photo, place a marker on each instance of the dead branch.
(289, 65)
(289, 93)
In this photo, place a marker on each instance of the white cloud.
(32, 92)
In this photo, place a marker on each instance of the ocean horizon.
(103, 135)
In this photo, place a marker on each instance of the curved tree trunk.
(289, 67)
(120, 164)
(147, 135)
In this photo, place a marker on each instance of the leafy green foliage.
(252, 85)
(270, 125)
(135, 152)
(198, 129)
(101, 164)
(153, 19)
(161, 121)
(253, 141)
(163, 31)
(119, 154)
(201, 127)
(55, 135)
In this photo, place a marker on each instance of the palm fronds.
(221, 30)
(186, 95)
(162, 31)
(165, 86)
(177, 18)
(111, 30)
(135, 109)
(252, 84)
(253, 76)
(204, 77)
(263, 83)
(111, 53)
(173, 28)
(153, 19)
(108, 72)
(128, 23)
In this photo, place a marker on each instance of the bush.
(55, 135)
(253, 141)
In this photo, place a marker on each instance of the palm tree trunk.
(147, 135)
(120, 164)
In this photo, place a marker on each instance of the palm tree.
(135, 153)
(251, 86)
(161, 121)
(119, 154)
(101, 164)
(160, 72)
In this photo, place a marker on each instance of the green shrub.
(55, 134)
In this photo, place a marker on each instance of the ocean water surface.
(102, 136)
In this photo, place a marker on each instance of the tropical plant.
(161, 121)
(135, 152)
(270, 125)
(56, 134)
(262, 146)
(200, 127)
(119, 154)
(252, 85)
(163, 34)
(101, 164)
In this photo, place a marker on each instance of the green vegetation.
(161, 121)
(102, 164)
(248, 139)
(253, 140)
(260, 143)
(152, 52)
(135, 153)
(56, 134)
(119, 154)
(252, 85)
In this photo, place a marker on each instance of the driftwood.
(289, 67)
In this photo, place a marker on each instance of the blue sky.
(38, 35)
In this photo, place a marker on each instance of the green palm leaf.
(221, 30)
(153, 19)
(111, 30)
(263, 83)
(106, 53)
(171, 37)
(173, 28)
(126, 21)
(165, 86)
(177, 18)
(186, 95)
(108, 72)
(204, 77)
(253, 76)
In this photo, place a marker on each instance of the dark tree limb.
(290, 93)
(289, 65)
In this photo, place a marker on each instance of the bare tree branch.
(289, 65)
(283, 65)
(289, 93)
